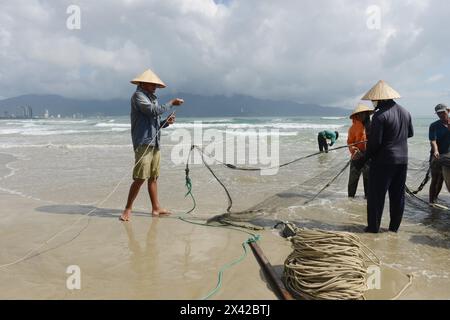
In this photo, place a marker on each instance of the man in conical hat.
(387, 148)
(358, 133)
(146, 128)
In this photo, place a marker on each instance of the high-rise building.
(27, 112)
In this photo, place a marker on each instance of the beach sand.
(48, 186)
(147, 258)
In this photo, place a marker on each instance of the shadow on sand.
(86, 209)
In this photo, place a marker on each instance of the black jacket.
(389, 132)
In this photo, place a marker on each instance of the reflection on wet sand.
(144, 259)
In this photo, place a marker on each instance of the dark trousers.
(353, 179)
(323, 145)
(384, 178)
(437, 180)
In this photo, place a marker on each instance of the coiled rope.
(328, 265)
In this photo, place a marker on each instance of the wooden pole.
(270, 274)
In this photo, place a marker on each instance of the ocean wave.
(16, 122)
(52, 132)
(45, 121)
(98, 146)
(30, 125)
(64, 146)
(12, 172)
(112, 125)
(42, 131)
(333, 118)
(57, 121)
(298, 126)
(257, 133)
(23, 195)
(303, 126)
(10, 131)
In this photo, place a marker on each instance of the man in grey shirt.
(146, 128)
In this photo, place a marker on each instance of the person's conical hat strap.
(149, 77)
(381, 91)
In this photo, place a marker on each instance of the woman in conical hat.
(387, 148)
(358, 133)
(146, 128)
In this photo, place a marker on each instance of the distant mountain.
(195, 106)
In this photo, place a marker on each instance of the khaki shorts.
(147, 161)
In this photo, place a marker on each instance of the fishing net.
(330, 182)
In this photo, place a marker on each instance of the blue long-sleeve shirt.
(388, 141)
(146, 118)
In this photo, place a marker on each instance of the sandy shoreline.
(170, 259)
(146, 259)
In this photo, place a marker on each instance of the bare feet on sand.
(125, 215)
(161, 213)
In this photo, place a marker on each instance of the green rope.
(253, 237)
(188, 185)
(229, 265)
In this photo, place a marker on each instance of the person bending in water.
(145, 132)
(322, 139)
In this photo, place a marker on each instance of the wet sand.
(148, 258)
(166, 258)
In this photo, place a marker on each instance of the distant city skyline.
(195, 105)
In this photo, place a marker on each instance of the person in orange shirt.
(358, 133)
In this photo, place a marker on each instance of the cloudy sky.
(322, 51)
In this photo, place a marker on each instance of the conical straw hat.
(149, 77)
(381, 91)
(361, 108)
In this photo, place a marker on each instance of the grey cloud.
(310, 51)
